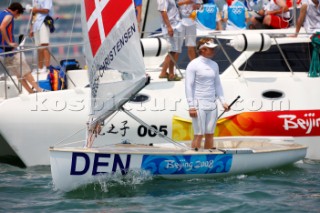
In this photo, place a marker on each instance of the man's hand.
(31, 33)
(170, 31)
(12, 44)
(226, 107)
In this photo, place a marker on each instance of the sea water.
(294, 188)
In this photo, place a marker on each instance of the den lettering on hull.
(101, 163)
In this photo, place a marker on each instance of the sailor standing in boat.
(202, 87)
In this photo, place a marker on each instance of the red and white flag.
(101, 16)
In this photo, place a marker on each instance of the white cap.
(209, 44)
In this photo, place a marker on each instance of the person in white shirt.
(309, 17)
(171, 29)
(189, 32)
(41, 32)
(202, 87)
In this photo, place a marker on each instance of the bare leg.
(26, 85)
(165, 66)
(171, 64)
(46, 56)
(196, 142)
(208, 141)
(192, 53)
(43, 57)
(29, 78)
(40, 58)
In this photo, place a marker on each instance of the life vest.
(57, 78)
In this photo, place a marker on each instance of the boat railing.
(10, 85)
(284, 45)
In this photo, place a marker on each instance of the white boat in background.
(277, 99)
(82, 162)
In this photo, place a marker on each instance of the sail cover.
(113, 54)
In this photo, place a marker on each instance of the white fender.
(153, 47)
(251, 42)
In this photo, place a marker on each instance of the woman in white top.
(202, 87)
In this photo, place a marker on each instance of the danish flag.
(101, 16)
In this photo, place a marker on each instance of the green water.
(294, 188)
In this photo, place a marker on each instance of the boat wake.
(104, 182)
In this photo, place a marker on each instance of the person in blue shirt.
(208, 17)
(7, 43)
(138, 7)
(235, 14)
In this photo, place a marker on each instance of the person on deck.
(171, 29)
(13, 61)
(209, 17)
(189, 32)
(275, 15)
(235, 13)
(138, 7)
(309, 17)
(41, 32)
(202, 87)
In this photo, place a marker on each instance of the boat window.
(297, 54)
(139, 98)
(219, 56)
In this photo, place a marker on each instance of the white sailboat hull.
(31, 124)
(52, 123)
(74, 167)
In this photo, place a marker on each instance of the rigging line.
(74, 18)
(155, 130)
(28, 25)
(283, 56)
(226, 54)
(66, 138)
(145, 19)
(110, 118)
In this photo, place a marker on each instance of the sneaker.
(38, 71)
(43, 70)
